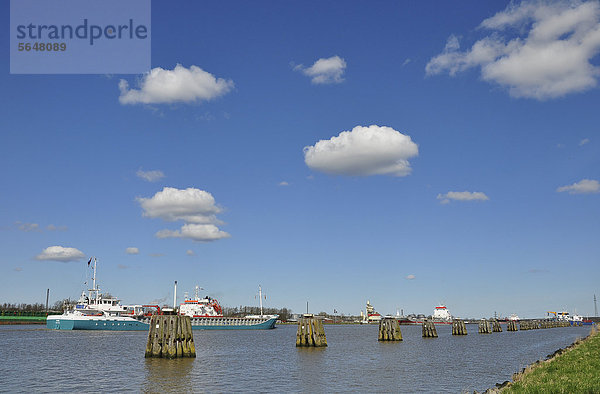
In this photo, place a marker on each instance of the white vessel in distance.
(441, 315)
(371, 316)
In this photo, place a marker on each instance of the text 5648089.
(42, 46)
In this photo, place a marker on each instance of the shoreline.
(518, 378)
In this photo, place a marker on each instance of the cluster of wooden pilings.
(511, 325)
(389, 330)
(496, 326)
(310, 333)
(170, 336)
(429, 330)
(553, 324)
(529, 325)
(458, 327)
(485, 327)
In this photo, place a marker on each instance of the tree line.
(37, 307)
(284, 313)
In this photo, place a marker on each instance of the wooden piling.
(429, 330)
(496, 326)
(485, 327)
(458, 327)
(511, 325)
(389, 330)
(151, 334)
(170, 336)
(310, 333)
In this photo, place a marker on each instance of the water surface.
(35, 359)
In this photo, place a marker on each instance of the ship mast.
(94, 278)
(260, 299)
(94, 288)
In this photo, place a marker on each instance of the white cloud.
(584, 186)
(59, 253)
(325, 70)
(132, 250)
(462, 196)
(27, 227)
(52, 227)
(283, 183)
(373, 150)
(197, 208)
(191, 205)
(196, 232)
(584, 141)
(178, 85)
(150, 176)
(404, 63)
(190, 252)
(538, 50)
(410, 277)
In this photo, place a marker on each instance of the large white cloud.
(325, 70)
(538, 49)
(196, 232)
(191, 205)
(60, 253)
(584, 186)
(178, 85)
(462, 196)
(373, 150)
(197, 208)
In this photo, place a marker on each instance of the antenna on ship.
(94, 277)
(260, 299)
(197, 292)
(175, 297)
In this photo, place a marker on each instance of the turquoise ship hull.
(69, 323)
(61, 323)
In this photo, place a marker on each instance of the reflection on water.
(40, 360)
(172, 374)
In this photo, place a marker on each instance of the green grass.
(577, 370)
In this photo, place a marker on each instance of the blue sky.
(452, 155)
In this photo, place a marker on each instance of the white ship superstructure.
(372, 316)
(441, 314)
(200, 307)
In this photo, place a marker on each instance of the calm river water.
(34, 359)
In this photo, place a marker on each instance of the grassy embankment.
(575, 370)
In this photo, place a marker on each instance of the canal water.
(34, 359)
